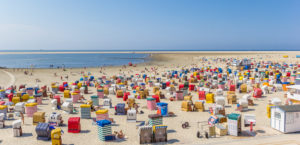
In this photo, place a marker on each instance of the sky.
(150, 24)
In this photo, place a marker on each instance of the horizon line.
(123, 50)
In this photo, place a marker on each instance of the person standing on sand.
(22, 117)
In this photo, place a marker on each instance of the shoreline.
(158, 57)
(141, 52)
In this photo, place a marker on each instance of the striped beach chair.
(145, 134)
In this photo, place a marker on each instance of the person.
(51, 95)
(206, 135)
(273, 89)
(136, 107)
(120, 134)
(198, 134)
(81, 98)
(22, 116)
(96, 84)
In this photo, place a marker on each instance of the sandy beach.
(149, 52)
(163, 61)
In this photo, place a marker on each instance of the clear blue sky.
(150, 24)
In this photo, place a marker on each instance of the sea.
(69, 60)
(80, 60)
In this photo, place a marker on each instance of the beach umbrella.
(144, 76)
(229, 71)
(92, 78)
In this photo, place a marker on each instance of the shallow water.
(69, 60)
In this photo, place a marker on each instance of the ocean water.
(70, 60)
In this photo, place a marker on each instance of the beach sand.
(176, 135)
